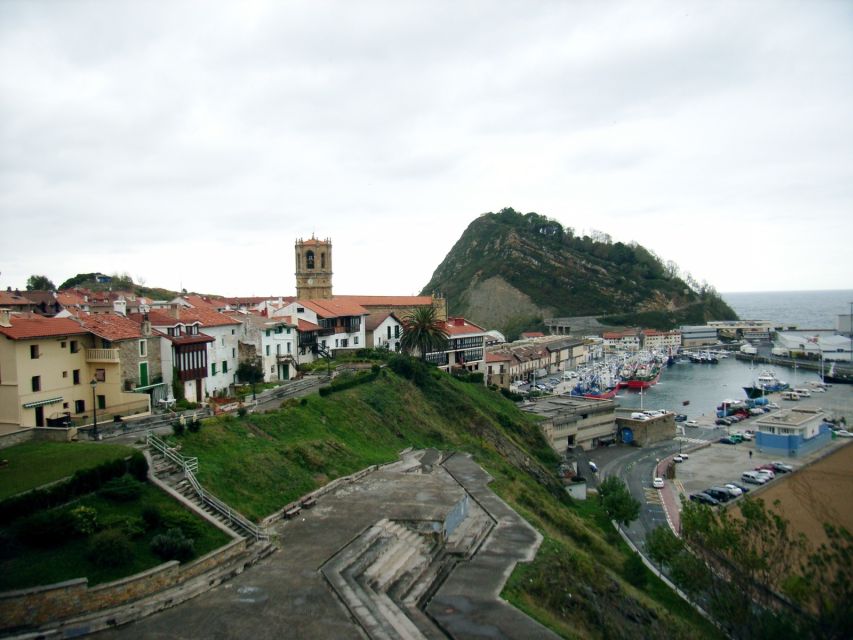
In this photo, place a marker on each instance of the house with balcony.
(223, 351)
(498, 366)
(340, 324)
(272, 342)
(134, 348)
(184, 352)
(53, 371)
(464, 348)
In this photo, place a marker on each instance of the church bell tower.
(313, 268)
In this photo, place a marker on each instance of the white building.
(341, 322)
(383, 331)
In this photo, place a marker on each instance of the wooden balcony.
(102, 355)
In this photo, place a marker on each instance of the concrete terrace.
(417, 549)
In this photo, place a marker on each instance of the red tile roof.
(461, 326)
(334, 308)
(532, 334)
(375, 319)
(110, 326)
(304, 325)
(29, 325)
(388, 301)
(498, 357)
(14, 299)
(207, 316)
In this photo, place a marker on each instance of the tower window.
(322, 260)
(309, 260)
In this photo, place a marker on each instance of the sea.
(697, 389)
(803, 309)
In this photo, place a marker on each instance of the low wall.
(38, 434)
(29, 608)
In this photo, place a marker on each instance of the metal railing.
(190, 467)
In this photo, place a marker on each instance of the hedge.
(82, 482)
(349, 383)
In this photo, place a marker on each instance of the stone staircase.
(182, 480)
(385, 576)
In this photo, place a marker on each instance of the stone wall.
(646, 432)
(30, 434)
(28, 608)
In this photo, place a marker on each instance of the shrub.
(85, 520)
(195, 424)
(634, 570)
(184, 521)
(123, 489)
(137, 466)
(173, 545)
(48, 528)
(178, 428)
(110, 548)
(152, 516)
(131, 527)
(240, 412)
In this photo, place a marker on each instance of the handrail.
(189, 467)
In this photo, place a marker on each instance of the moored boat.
(767, 382)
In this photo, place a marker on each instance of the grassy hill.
(578, 585)
(509, 270)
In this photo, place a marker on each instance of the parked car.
(766, 472)
(719, 493)
(657, 483)
(692, 423)
(844, 433)
(723, 422)
(743, 488)
(680, 417)
(753, 477)
(704, 498)
(727, 440)
(772, 405)
(678, 458)
(733, 489)
(781, 467)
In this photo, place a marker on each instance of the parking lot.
(717, 464)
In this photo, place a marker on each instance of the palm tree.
(423, 332)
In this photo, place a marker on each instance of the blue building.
(792, 432)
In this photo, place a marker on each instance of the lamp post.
(94, 384)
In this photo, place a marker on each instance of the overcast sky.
(190, 143)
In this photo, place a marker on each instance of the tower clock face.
(310, 281)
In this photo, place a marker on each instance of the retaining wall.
(28, 608)
(29, 434)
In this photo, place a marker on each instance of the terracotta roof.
(30, 325)
(207, 316)
(388, 301)
(304, 325)
(532, 334)
(461, 326)
(159, 318)
(14, 299)
(70, 297)
(375, 319)
(498, 357)
(334, 308)
(185, 339)
(111, 326)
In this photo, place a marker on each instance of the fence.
(189, 467)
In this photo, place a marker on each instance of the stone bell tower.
(313, 268)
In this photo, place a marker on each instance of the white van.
(803, 393)
(753, 477)
(639, 416)
(790, 395)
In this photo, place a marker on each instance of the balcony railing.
(102, 355)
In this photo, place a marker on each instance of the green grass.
(24, 566)
(34, 464)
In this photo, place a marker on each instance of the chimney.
(176, 311)
(5, 317)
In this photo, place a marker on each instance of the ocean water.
(803, 309)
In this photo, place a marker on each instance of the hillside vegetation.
(509, 270)
(579, 583)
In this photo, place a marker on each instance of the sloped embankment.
(577, 583)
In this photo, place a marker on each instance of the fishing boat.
(767, 382)
(644, 376)
(838, 377)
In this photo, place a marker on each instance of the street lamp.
(94, 384)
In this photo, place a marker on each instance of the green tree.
(251, 372)
(617, 501)
(423, 332)
(40, 283)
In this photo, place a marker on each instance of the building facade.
(313, 269)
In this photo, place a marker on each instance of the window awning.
(148, 387)
(41, 403)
